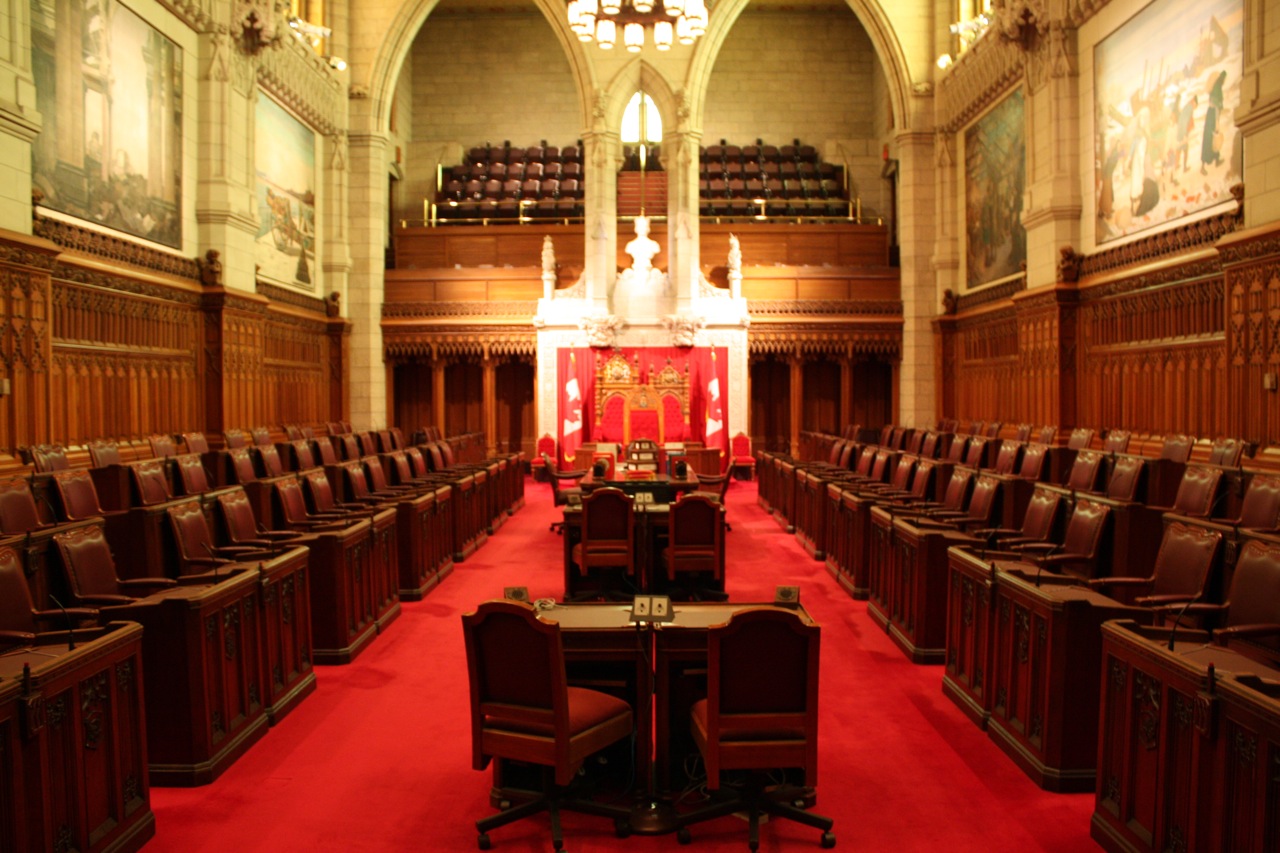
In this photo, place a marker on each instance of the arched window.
(642, 125)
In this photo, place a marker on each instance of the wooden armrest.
(1034, 547)
(67, 613)
(1130, 582)
(23, 637)
(149, 584)
(1162, 600)
(106, 600)
(1264, 629)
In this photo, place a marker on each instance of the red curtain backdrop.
(576, 376)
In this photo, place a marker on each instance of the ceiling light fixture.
(670, 21)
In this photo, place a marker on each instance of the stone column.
(917, 193)
(19, 120)
(600, 150)
(368, 203)
(226, 213)
(683, 261)
(1051, 215)
(1258, 116)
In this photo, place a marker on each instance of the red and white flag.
(714, 436)
(571, 412)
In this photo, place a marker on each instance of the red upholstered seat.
(18, 512)
(1226, 452)
(1037, 524)
(1033, 457)
(21, 624)
(196, 550)
(91, 572)
(1128, 479)
(242, 465)
(195, 442)
(607, 549)
(695, 555)
(243, 527)
(77, 494)
(1184, 567)
(1177, 448)
(1198, 491)
(1085, 471)
(741, 459)
(1080, 552)
(192, 478)
(150, 485)
(49, 457)
(523, 709)
(1080, 439)
(162, 445)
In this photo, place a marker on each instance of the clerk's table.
(605, 650)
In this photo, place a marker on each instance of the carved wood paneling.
(24, 348)
(1252, 294)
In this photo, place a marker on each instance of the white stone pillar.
(367, 188)
(600, 152)
(19, 120)
(684, 264)
(917, 190)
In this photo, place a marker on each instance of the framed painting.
(995, 173)
(1166, 87)
(109, 87)
(285, 157)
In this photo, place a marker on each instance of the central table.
(660, 671)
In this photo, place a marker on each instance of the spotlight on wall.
(944, 61)
(337, 63)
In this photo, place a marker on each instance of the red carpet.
(378, 758)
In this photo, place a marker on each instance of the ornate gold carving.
(117, 249)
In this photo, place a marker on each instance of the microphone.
(1173, 632)
(214, 557)
(53, 513)
(1040, 562)
(71, 634)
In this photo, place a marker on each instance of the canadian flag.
(571, 411)
(715, 414)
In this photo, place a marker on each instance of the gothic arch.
(383, 68)
(888, 49)
(612, 101)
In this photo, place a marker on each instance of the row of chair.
(483, 172)
(540, 153)
(758, 152)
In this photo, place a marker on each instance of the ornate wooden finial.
(210, 268)
(949, 301)
(1069, 263)
(333, 304)
(37, 196)
(1237, 192)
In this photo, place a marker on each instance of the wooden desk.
(604, 650)
(73, 746)
(1186, 760)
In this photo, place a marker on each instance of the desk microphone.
(214, 557)
(1040, 562)
(1173, 632)
(71, 634)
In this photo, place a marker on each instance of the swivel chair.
(695, 554)
(606, 553)
(560, 493)
(760, 714)
(522, 709)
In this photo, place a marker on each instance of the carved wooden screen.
(625, 405)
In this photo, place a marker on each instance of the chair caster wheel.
(828, 840)
(684, 836)
(621, 828)
(483, 841)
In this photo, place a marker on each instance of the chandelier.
(671, 21)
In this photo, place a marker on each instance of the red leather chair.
(1249, 619)
(77, 495)
(560, 493)
(243, 528)
(741, 459)
(18, 512)
(162, 446)
(1086, 470)
(269, 463)
(1117, 441)
(607, 550)
(242, 468)
(196, 551)
(150, 485)
(195, 442)
(21, 624)
(1080, 553)
(192, 477)
(1037, 524)
(694, 558)
(1226, 452)
(1032, 467)
(292, 511)
(1183, 571)
(1080, 439)
(1177, 448)
(760, 714)
(48, 457)
(1128, 479)
(236, 438)
(104, 453)
(523, 709)
(260, 436)
(1199, 491)
(90, 570)
(1260, 509)
(1009, 456)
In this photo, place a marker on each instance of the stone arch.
(879, 29)
(394, 38)
(612, 101)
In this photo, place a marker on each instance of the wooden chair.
(150, 485)
(523, 709)
(716, 488)
(760, 714)
(741, 459)
(1183, 570)
(77, 495)
(243, 528)
(607, 550)
(196, 551)
(695, 556)
(90, 570)
(1079, 554)
(192, 477)
(560, 493)
(22, 625)
(18, 512)
(1249, 618)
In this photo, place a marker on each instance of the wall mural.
(1166, 88)
(994, 176)
(286, 164)
(109, 87)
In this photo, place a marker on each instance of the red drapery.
(708, 369)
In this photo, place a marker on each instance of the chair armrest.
(23, 637)
(1130, 582)
(149, 584)
(68, 613)
(1263, 629)
(1195, 609)
(1034, 547)
(213, 577)
(105, 600)
(1004, 534)
(1162, 600)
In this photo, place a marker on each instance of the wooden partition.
(112, 339)
(1171, 334)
